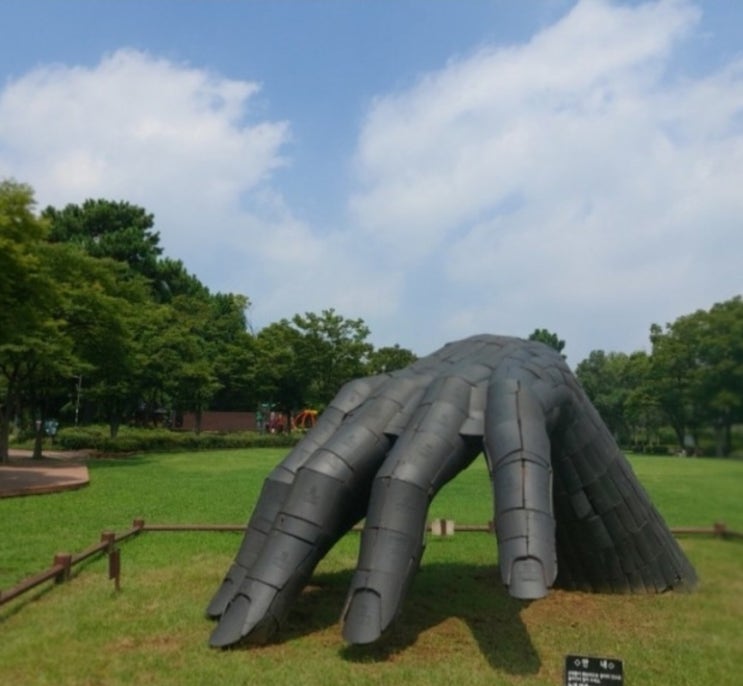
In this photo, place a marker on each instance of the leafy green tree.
(619, 388)
(641, 411)
(199, 341)
(601, 375)
(389, 358)
(104, 228)
(30, 370)
(195, 353)
(303, 362)
(234, 351)
(87, 294)
(62, 314)
(721, 357)
(280, 379)
(125, 233)
(196, 382)
(548, 338)
(29, 330)
(697, 368)
(332, 350)
(103, 303)
(171, 279)
(174, 365)
(157, 358)
(676, 374)
(213, 348)
(26, 291)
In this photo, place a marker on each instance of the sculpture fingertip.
(363, 619)
(527, 579)
(221, 599)
(233, 625)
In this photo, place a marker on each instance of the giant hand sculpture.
(569, 511)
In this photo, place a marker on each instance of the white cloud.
(483, 127)
(165, 135)
(570, 179)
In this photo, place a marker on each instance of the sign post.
(593, 671)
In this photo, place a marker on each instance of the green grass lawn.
(458, 625)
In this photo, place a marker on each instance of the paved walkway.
(54, 472)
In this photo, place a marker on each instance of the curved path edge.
(53, 473)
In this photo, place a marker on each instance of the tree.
(389, 358)
(116, 230)
(61, 314)
(191, 343)
(280, 379)
(26, 292)
(721, 357)
(104, 228)
(675, 373)
(641, 410)
(548, 338)
(85, 292)
(103, 303)
(697, 368)
(619, 388)
(303, 362)
(332, 350)
(125, 233)
(175, 366)
(234, 351)
(29, 331)
(171, 279)
(601, 375)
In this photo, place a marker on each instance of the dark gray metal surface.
(569, 511)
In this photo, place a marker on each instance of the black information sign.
(593, 671)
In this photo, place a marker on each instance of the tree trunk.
(113, 425)
(38, 440)
(723, 438)
(4, 434)
(114, 420)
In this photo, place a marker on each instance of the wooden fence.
(61, 569)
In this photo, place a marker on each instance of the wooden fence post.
(65, 561)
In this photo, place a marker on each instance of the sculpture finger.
(610, 537)
(278, 484)
(517, 448)
(428, 453)
(328, 494)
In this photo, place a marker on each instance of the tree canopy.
(548, 338)
(692, 380)
(697, 370)
(88, 300)
(118, 230)
(304, 361)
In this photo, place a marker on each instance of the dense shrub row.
(651, 449)
(129, 440)
(97, 438)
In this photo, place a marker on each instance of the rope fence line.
(61, 569)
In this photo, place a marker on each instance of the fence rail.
(61, 569)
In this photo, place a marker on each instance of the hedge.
(129, 440)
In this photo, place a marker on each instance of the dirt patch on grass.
(22, 475)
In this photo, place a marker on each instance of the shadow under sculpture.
(569, 510)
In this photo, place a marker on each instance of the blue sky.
(439, 168)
